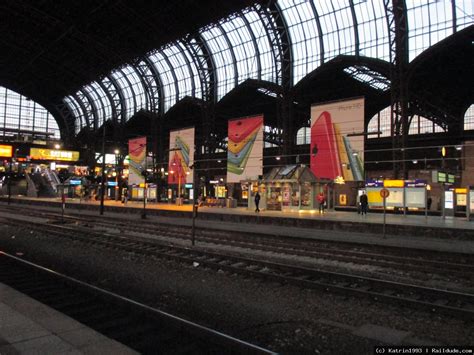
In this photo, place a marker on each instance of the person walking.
(364, 203)
(321, 202)
(257, 201)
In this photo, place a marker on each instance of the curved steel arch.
(278, 37)
(158, 94)
(94, 102)
(206, 66)
(85, 110)
(125, 115)
(118, 100)
(94, 109)
(181, 44)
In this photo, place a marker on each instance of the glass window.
(21, 116)
(303, 136)
(469, 118)
(380, 125)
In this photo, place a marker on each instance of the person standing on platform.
(125, 196)
(364, 203)
(321, 201)
(257, 201)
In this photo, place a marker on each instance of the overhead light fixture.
(415, 161)
(277, 158)
(219, 161)
(458, 147)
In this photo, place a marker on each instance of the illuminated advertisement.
(137, 154)
(245, 149)
(53, 154)
(337, 140)
(6, 151)
(181, 156)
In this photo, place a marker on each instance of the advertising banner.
(53, 154)
(137, 154)
(245, 149)
(337, 140)
(181, 157)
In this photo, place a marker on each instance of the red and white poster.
(337, 140)
(181, 156)
(245, 149)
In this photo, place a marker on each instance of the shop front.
(288, 188)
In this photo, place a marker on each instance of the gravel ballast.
(283, 318)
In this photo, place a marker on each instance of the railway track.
(388, 257)
(140, 327)
(435, 300)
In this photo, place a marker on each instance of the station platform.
(29, 327)
(452, 234)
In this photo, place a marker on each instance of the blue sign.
(112, 183)
(415, 183)
(75, 182)
(374, 183)
(188, 186)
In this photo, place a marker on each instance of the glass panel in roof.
(464, 13)
(167, 79)
(303, 31)
(127, 92)
(368, 76)
(372, 29)
(74, 107)
(429, 22)
(96, 103)
(223, 59)
(137, 88)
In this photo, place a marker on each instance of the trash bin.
(179, 201)
(231, 203)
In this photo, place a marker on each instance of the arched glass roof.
(22, 116)
(248, 45)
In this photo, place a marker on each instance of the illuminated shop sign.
(6, 151)
(53, 154)
(393, 183)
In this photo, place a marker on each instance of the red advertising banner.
(137, 155)
(181, 157)
(337, 140)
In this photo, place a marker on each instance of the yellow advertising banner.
(6, 151)
(53, 154)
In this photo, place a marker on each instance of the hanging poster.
(337, 140)
(137, 154)
(181, 157)
(245, 149)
